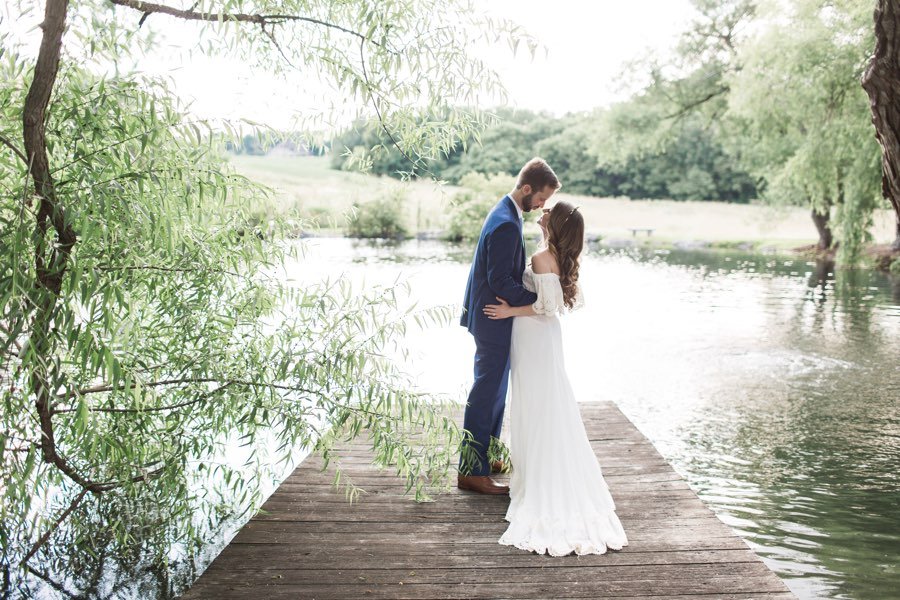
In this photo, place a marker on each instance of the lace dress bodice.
(549, 291)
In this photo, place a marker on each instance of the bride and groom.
(559, 501)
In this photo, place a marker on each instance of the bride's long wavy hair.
(565, 241)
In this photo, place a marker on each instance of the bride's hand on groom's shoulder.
(498, 311)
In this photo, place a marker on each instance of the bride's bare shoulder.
(543, 262)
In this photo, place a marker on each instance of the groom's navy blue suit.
(496, 271)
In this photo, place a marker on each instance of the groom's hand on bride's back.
(498, 311)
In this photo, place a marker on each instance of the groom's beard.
(526, 202)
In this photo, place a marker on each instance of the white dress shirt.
(518, 208)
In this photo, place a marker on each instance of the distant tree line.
(695, 166)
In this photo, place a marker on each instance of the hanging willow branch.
(107, 241)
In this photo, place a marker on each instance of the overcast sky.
(587, 43)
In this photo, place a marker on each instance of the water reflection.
(169, 542)
(795, 441)
(86, 561)
(770, 382)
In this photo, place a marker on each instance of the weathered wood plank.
(300, 576)
(622, 487)
(274, 528)
(613, 559)
(587, 588)
(469, 544)
(293, 511)
(309, 542)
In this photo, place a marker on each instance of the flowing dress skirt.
(559, 501)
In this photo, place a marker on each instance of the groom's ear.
(526, 189)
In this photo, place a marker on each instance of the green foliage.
(567, 152)
(381, 217)
(497, 450)
(680, 100)
(366, 147)
(590, 153)
(671, 139)
(472, 204)
(805, 117)
(172, 340)
(505, 146)
(691, 164)
(758, 94)
(259, 143)
(895, 267)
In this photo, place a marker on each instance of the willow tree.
(882, 83)
(143, 328)
(803, 117)
(691, 86)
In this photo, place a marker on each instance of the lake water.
(770, 383)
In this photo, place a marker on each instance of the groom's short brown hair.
(538, 174)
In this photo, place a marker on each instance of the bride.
(559, 501)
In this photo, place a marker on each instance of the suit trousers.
(487, 401)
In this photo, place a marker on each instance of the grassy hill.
(307, 187)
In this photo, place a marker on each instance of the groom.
(497, 271)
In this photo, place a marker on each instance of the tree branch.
(166, 269)
(362, 60)
(196, 400)
(109, 388)
(224, 383)
(109, 485)
(271, 35)
(12, 147)
(87, 486)
(118, 143)
(149, 8)
(6, 330)
(686, 108)
(51, 259)
(43, 539)
(50, 581)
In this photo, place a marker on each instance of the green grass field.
(306, 186)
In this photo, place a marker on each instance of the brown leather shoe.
(498, 466)
(481, 484)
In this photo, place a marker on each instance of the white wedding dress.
(559, 501)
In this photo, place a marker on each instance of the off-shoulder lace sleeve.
(550, 294)
(579, 299)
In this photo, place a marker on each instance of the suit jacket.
(496, 271)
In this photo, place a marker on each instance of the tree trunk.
(823, 226)
(882, 83)
(51, 256)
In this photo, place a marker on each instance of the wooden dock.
(313, 544)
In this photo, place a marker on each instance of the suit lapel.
(518, 221)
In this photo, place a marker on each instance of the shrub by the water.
(895, 267)
(381, 217)
(472, 204)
